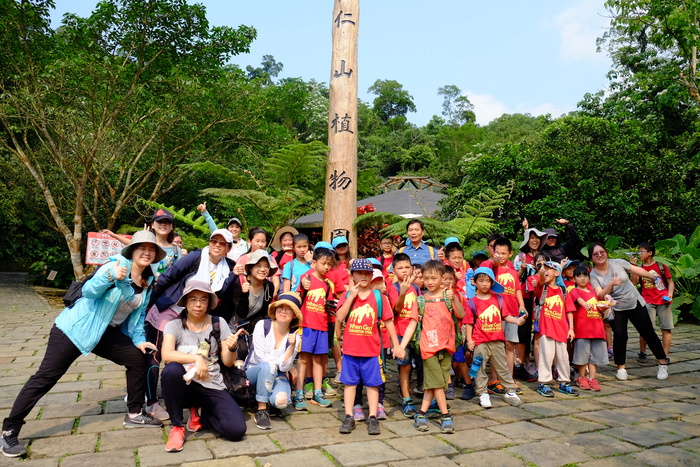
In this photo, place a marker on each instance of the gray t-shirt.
(625, 294)
(191, 342)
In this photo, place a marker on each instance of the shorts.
(436, 370)
(367, 370)
(511, 332)
(314, 341)
(410, 352)
(458, 356)
(593, 351)
(664, 313)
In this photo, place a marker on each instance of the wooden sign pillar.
(341, 170)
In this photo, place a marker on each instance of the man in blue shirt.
(416, 248)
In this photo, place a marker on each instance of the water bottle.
(161, 267)
(476, 364)
(659, 283)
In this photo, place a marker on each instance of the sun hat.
(479, 253)
(495, 286)
(288, 298)
(337, 241)
(143, 236)
(224, 233)
(377, 274)
(256, 257)
(201, 286)
(557, 267)
(276, 243)
(449, 240)
(162, 215)
(361, 264)
(375, 263)
(234, 220)
(324, 245)
(526, 237)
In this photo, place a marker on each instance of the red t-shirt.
(489, 323)
(361, 335)
(649, 292)
(437, 329)
(570, 285)
(340, 277)
(529, 259)
(284, 258)
(553, 322)
(587, 324)
(508, 278)
(313, 310)
(410, 307)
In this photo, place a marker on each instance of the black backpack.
(235, 378)
(75, 291)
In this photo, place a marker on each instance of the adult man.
(416, 248)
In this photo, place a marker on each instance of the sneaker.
(357, 414)
(193, 423)
(469, 392)
(407, 408)
(512, 398)
(545, 390)
(299, 402)
(144, 419)
(531, 374)
(495, 387)
(373, 426)
(320, 399)
(336, 380)
(518, 390)
(594, 384)
(381, 413)
(262, 420)
(10, 445)
(447, 425)
(621, 374)
(519, 372)
(583, 383)
(420, 423)
(485, 400)
(641, 358)
(176, 439)
(348, 425)
(450, 392)
(434, 410)
(327, 388)
(418, 390)
(158, 411)
(566, 388)
(663, 372)
(309, 390)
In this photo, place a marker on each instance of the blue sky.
(509, 56)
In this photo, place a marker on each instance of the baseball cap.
(361, 264)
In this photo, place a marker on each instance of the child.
(589, 345)
(362, 343)
(386, 258)
(485, 336)
(403, 295)
(459, 361)
(555, 312)
(437, 343)
(568, 268)
(294, 269)
(454, 256)
(315, 290)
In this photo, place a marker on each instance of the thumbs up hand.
(119, 271)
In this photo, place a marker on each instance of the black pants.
(60, 355)
(525, 331)
(155, 337)
(639, 317)
(219, 410)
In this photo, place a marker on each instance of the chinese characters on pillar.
(342, 124)
(341, 181)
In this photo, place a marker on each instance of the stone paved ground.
(642, 421)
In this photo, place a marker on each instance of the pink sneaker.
(594, 384)
(583, 383)
(193, 424)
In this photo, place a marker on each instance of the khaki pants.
(549, 348)
(495, 352)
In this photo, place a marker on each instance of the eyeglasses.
(599, 253)
(642, 251)
(216, 242)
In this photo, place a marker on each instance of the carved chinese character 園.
(341, 124)
(341, 180)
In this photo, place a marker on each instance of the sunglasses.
(216, 242)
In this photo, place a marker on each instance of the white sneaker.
(663, 372)
(485, 401)
(512, 398)
(621, 374)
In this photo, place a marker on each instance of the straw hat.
(288, 298)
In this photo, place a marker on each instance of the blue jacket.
(87, 320)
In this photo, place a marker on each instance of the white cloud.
(579, 26)
(487, 108)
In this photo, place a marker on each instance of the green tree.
(456, 107)
(392, 100)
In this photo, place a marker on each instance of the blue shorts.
(314, 341)
(458, 356)
(367, 370)
(406, 361)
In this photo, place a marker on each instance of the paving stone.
(489, 458)
(101, 375)
(681, 392)
(619, 461)
(684, 408)
(582, 405)
(58, 398)
(249, 446)
(112, 459)
(547, 453)
(99, 395)
(687, 430)
(76, 409)
(276, 423)
(441, 461)
(693, 445)
(694, 419)
(305, 458)
(524, 431)
(622, 417)
(49, 427)
(62, 445)
(621, 400)
(643, 436)
(549, 409)
(424, 446)
(300, 439)
(152, 456)
(130, 439)
(598, 445)
(569, 425)
(479, 440)
(508, 414)
(316, 420)
(470, 422)
(115, 406)
(47, 462)
(363, 453)
(667, 456)
(240, 461)
(104, 422)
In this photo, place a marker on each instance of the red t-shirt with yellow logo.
(508, 278)
(587, 324)
(313, 310)
(361, 335)
(437, 329)
(489, 323)
(410, 307)
(553, 322)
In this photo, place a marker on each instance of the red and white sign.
(101, 246)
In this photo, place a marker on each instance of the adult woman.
(252, 299)
(107, 321)
(273, 355)
(610, 277)
(234, 226)
(192, 352)
(283, 246)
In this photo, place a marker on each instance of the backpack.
(431, 250)
(75, 290)
(540, 301)
(234, 378)
(415, 339)
(472, 305)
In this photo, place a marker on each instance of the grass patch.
(103, 405)
(137, 458)
(99, 442)
(80, 396)
(277, 443)
(76, 424)
(41, 412)
(80, 377)
(445, 441)
(329, 456)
